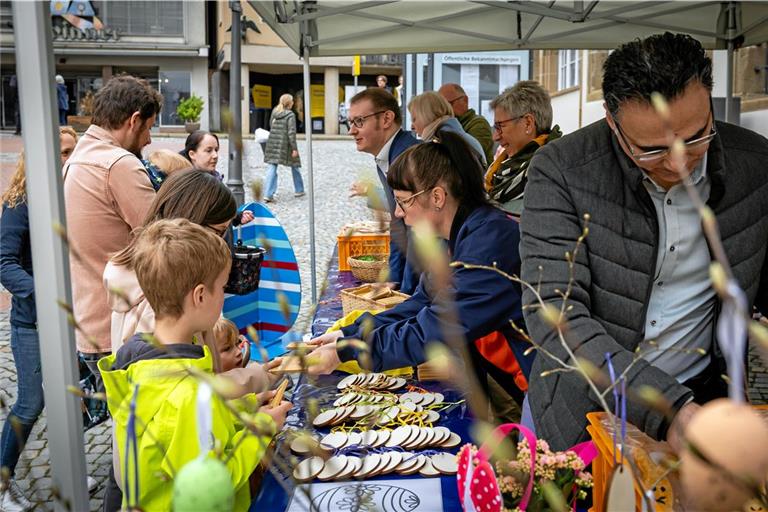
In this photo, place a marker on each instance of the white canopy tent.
(315, 28)
(417, 26)
(330, 28)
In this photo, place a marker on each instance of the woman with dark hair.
(193, 195)
(202, 150)
(440, 183)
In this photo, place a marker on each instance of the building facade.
(164, 42)
(574, 80)
(269, 69)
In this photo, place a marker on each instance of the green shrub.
(189, 109)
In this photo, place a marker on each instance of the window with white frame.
(567, 69)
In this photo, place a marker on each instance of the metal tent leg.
(34, 61)
(310, 175)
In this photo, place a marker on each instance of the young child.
(229, 345)
(162, 163)
(182, 269)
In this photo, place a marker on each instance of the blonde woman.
(16, 277)
(431, 112)
(282, 149)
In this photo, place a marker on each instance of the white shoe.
(93, 484)
(12, 499)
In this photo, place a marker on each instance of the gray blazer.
(587, 172)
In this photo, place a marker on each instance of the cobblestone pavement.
(337, 164)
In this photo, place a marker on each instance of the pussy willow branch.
(577, 365)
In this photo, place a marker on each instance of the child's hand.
(246, 217)
(278, 413)
(274, 363)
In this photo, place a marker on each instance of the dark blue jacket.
(400, 269)
(484, 300)
(16, 265)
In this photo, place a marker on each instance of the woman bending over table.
(440, 183)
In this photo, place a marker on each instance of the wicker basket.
(368, 271)
(370, 298)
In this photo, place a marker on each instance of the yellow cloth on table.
(353, 366)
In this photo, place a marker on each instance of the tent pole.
(235, 178)
(310, 176)
(34, 62)
(729, 62)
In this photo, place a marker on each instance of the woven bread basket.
(368, 271)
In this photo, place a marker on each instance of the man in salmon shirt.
(107, 193)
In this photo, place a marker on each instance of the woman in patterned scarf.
(523, 115)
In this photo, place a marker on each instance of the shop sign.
(509, 60)
(76, 20)
(262, 96)
(317, 95)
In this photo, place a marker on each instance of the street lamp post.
(235, 179)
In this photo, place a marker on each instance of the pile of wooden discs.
(343, 467)
(374, 381)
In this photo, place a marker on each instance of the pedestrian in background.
(282, 148)
(62, 99)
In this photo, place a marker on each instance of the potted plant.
(82, 120)
(189, 111)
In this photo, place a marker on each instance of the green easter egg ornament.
(203, 484)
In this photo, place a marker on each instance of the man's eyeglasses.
(659, 154)
(454, 100)
(406, 203)
(359, 121)
(499, 125)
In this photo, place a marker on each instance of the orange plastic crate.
(361, 245)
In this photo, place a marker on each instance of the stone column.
(331, 80)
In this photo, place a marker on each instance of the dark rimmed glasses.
(359, 121)
(660, 154)
(499, 125)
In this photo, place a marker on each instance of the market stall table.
(401, 492)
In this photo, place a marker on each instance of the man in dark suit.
(375, 123)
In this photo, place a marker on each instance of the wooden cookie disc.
(346, 381)
(333, 467)
(428, 470)
(395, 458)
(354, 439)
(427, 399)
(381, 438)
(416, 442)
(445, 463)
(439, 398)
(399, 383)
(432, 417)
(398, 436)
(353, 464)
(304, 444)
(308, 469)
(443, 433)
(410, 397)
(385, 460)
(344, 399)
(413, 469)
(370, 463)
(334, 440)
(369, 437)
(452, 441)
(361, 411)
(325, 418)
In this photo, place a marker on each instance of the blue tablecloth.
(272, 496)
